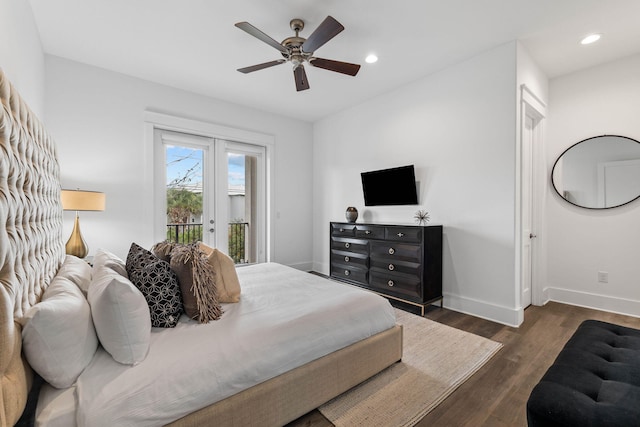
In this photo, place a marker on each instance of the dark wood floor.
(497, 394)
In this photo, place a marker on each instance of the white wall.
(21, 55)
(458, 128)
(96, 118)
(581, 242)
(531, 75)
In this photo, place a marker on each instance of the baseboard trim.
(304, 266)
(595, 301)
(321, 267)
(495, 313)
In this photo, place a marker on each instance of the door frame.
(159, 121)
(532, 106)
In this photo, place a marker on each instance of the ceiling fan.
(299, 50)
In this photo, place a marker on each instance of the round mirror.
(599, 173)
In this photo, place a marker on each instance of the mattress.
(285, 319)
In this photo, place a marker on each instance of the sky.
(184, 160)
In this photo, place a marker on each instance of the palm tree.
(181, 204)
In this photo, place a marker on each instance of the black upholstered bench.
(595, 380)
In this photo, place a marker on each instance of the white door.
(242, 177)
(618, 182)
(527, 209)
(185, 187)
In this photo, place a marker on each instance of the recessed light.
(591, 38)
(371, 59)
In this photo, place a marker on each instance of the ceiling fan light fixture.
(591, 38)
(299, 50)
(371, 59)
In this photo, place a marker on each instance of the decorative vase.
(351, 214)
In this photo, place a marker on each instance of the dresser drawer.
(395, 251)
(403, 234)
(343, 229)
(397, 285)
(351, 274)
(349, 259)
(369, 231)
(351, 245)
(396, 266)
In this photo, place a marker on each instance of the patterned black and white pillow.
(158, 284)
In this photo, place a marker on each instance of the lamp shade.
(79, 200)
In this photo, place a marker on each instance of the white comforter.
(285, 319)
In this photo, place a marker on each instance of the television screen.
(396, 186)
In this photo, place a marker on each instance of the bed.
(32, 252)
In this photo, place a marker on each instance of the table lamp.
(78, 200)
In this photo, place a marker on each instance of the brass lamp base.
(76, 245)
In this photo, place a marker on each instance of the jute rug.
(436, 360)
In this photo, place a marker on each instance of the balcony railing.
(190, 233)
(184, 233)
(237, 242)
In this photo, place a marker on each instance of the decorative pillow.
(227, 283)
(158, 284)
(120, 315)
(163, 249)
(107, 259)
(196, 278)
(58, 336)
(78, 271)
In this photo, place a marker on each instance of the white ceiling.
(194, 45)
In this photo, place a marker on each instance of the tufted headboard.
(31, 245)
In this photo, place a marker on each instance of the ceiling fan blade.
(300, 77)
(337, 66)
(327, 30)
(257, 67)
(245, 26)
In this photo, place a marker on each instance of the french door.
(211, 190)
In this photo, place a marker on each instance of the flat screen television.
(386, 187)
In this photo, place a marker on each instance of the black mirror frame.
(553, 184)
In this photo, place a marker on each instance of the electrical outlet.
(603, 276)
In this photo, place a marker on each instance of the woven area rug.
(436, 360)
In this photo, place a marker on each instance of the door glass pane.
(184, 193)
(242, 207)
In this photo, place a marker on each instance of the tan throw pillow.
(196, 278)
(227, 283)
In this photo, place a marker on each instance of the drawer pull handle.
(347, 259)
(390, 283)
(400, 234)
(342, 230)
(392, 251)
(392, 267)
(347, 245)
(367, 232)
(347, 272)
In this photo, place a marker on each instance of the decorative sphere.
(351, 214)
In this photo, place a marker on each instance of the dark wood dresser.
(403, 262)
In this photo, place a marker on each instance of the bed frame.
(32, 250)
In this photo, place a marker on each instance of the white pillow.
(58, 336)
(78, 271)
(120, 315)
(107, 259)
